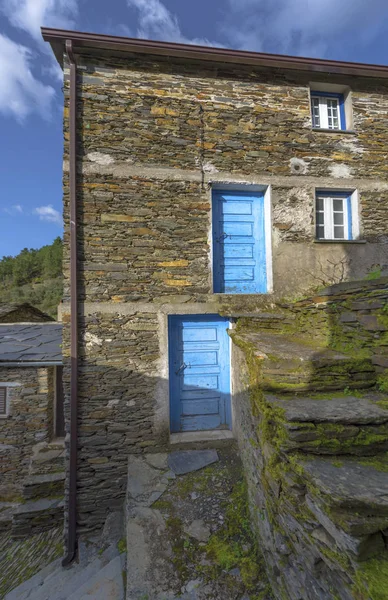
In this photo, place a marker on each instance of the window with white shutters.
(327, 111)
(336, 216)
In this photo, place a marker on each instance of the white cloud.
(16, 209)
(20, 92)
(155, 21)
(31, 15)
(49, 213)
(304, 27)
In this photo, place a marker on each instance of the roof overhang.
(31, 363)
(82, 42)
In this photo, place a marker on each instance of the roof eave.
(82, 41)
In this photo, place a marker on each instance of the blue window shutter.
(350, 225)
(341, 101)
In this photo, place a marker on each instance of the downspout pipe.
(71, 534)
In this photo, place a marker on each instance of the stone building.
(31, 426)
(210, 186)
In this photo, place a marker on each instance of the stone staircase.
(43, 492)
(332, 424)
(98, 575)
(315, 449)
(292, 364)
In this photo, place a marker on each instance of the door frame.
(247, 188)
(229, 404)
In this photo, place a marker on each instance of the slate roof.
(35, 342)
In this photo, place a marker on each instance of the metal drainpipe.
(72, 495)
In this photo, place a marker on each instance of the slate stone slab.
(187, 461)
(350, 486)
(348, 410)
(36, 342)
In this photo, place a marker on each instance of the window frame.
(59, 431)
(4, 415)
(349, 206)
(323, 111)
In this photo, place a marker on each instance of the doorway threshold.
(201, 436)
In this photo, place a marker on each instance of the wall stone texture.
(28, 423)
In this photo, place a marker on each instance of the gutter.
(71, 537)
(83, 42)
(32, 363)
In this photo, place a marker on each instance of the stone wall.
(28, 423)
(316, 463)
(154, 136)
(118, 381)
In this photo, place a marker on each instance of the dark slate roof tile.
(35, 342)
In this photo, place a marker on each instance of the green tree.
(33, 276)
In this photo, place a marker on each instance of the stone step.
(350, 501)
(44, 486)
(100, 578)
(254, 321)
(288, 364)
(6, 513)
(332, 423)
(48, 458)
(37, 516)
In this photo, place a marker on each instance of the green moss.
(338, 558)
(380, 463)
(382, 384)
(372, 580)
(122, 545)
(234, 545)
(198, 481)
(162, 505)
(372, 275)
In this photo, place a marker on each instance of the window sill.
(321, 130)
(339, 241)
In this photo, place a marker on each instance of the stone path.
(98, 574)
(21, 559)
(188, 537)
(188, 531)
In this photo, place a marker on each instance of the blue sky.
(30, 88)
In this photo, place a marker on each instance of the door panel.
(239, 253)
(199, 358)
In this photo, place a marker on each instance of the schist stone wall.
(28, 423)
(155, 137)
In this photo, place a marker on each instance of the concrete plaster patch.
(100, 158)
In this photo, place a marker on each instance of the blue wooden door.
(199, 358)
(239, 256)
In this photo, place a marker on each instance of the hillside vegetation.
(33, 276)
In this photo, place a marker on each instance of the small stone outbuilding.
(31, 420)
